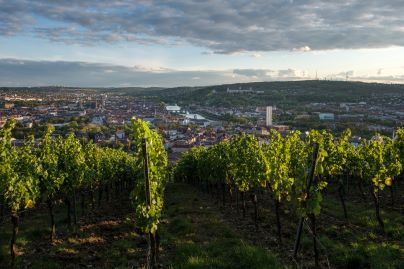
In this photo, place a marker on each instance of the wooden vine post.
(13, 248)
(52, 219)
(300, 226)
(255, 201)
(2, 208)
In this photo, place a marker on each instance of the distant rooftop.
(173, 108)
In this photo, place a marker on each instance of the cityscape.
(103, 115)
(188, 134)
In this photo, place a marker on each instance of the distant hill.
(287, 93)
(129, 90)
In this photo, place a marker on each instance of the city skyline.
(174, 43)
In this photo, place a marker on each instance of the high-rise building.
(269, 116)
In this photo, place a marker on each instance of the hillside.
(287, 93)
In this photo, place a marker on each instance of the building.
(240, 90)
(281, 128)
(99, 120)
(261, 131)
(8, 105)
(326, 116)
(120, 135)
(268, 121)
(173, 109)
(193, 116)
(250, 90)
(185, 121)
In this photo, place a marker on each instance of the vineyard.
(243, 194)
(296, 175)
(63, 169)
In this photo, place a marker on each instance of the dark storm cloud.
(221, 26)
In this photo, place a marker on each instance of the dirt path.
(103, 238)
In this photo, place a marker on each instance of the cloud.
(13, 18)
(17, 72)
(252, 72)
(350, 76)
(287, 73)
(220, 26)
(302, 49)
(380, 78)
(342, 75)
(256, 55)
(270, 75)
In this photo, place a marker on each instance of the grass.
(195, 236)
(358, 243)
(364, 216)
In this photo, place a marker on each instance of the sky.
(167, 43)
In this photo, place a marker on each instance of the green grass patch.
(200, 239)
(364, 246)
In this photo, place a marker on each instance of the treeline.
(65, 169)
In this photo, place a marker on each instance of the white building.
(326, 116)
(185, 121)
(173, 109)
(192, 116)
(268, 121)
